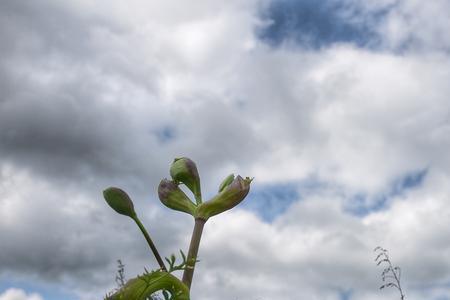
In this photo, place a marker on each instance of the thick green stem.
(150, 243)
(193, 251)
(198, 198)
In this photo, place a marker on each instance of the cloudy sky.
(340, 109)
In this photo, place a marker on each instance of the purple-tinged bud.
(185, 171)
(173, 197)
(119, 201)
(229, 197)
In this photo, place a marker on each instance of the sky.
(339, 109)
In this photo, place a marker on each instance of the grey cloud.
(50, 28)
(71, 110)
(58, 110)
(64, 236)
(62, 137)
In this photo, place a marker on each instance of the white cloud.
(346, 114)
(317, 250)
(407, 26)
(18, 294)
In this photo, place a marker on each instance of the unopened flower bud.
(185, 171)
(226, 182)
(228, 198)
(119, 201)
(173, 197)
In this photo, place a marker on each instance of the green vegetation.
(183, 171)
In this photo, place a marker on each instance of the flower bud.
(173, 197)
(226, 182)
(228, 198)
(185, 171)
(119, 201)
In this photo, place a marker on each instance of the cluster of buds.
(231, 192)
(184, 171)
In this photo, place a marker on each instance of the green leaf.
(144, 286)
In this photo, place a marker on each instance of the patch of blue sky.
(363, 204)
(410, 180)
(269, 201)
(48, 292)
(441, 291)
(165, 134)
(345, 294)
(315, 24)
(428, 286)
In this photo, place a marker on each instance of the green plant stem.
(198, 198)
(150, 243)
(193, 251)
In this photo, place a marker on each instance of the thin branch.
(393, 273)
(151, 244)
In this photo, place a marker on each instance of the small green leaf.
(168, 261)
(183, 255)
